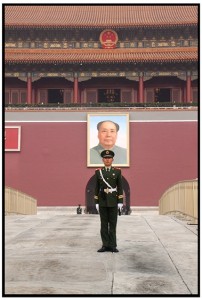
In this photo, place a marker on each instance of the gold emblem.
(107, 152)
(107, 190)
(108, 39)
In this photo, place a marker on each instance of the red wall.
(161, 155)
(51, 165)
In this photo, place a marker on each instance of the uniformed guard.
(108, 199)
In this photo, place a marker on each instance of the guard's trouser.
(108, 217)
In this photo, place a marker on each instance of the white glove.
(120, 205)
(97, 207)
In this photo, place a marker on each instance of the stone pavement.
(55, 253)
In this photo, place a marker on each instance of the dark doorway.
(162, 95)
(55, 95)
(90, 204)
(109, 95)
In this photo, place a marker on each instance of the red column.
(29, 88)
(188, 91)
(184, 94)
(141, 88)
(75, 88)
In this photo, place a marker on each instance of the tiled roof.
(102, 16)
(101, 55)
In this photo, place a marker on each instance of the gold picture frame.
(108, 131)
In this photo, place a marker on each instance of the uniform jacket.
(119, 158)
(114, 179)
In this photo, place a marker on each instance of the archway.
(89, 194)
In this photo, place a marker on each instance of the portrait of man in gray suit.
(107, 134)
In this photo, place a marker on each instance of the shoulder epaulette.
(98, 169)
(117, 168)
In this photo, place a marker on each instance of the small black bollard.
(79, 210)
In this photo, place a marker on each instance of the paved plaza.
(55, 253)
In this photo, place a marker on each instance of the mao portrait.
(108, 132)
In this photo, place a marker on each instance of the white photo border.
(122, 119)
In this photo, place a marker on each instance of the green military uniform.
(108, 199)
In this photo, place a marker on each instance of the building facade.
(85, 56)
(100, 54)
